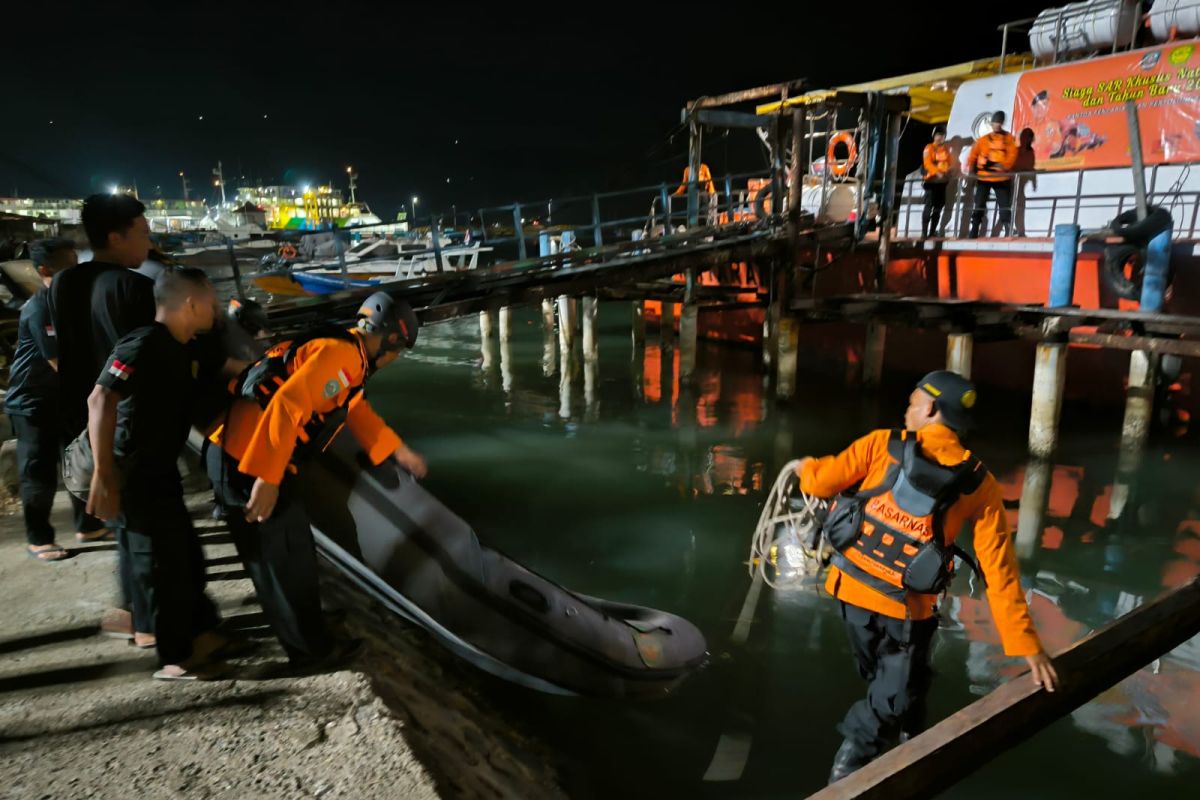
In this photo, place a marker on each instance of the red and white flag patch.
(344, 377)
(120, 370)
(50, 330)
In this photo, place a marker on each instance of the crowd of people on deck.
(999, 165)
(112, 371)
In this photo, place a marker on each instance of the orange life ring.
(841, 167)
(287, 251)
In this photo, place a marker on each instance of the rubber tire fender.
(1128, 227)
(1116, 256)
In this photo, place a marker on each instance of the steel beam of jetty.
(960, 744)
(448, 295)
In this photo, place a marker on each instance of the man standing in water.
(895, 543)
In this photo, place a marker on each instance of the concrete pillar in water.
(591, 344)
(688, 329)
(505, 320)
(787, 355)
(487, 322)
(566, 333)
(591, 358)
(1049, 377)
(666, 322)
(873, 350)
(639, 326)
(1035, 494)
(549, 345)
(959, 350)
(1139, 407)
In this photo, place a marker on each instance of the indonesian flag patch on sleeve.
(50, 330)
(120, 370)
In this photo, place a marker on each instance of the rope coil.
(805, 522)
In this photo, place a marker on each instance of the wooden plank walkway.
(957, 746)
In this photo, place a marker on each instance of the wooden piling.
(1010, 715)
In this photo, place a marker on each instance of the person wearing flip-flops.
(139, 415)
(32, 405)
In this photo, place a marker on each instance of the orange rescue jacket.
(993, 156)
(936, 160)
(323, 375)
(705, 181)
(867, 461)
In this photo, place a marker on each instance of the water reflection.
(631, 485)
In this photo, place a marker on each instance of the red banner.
(1077, 111)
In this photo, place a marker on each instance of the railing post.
(666, 209)
(729, 213)
(597, 234)
(693, 186)
(519, 231)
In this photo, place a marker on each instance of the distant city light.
(348, 170)
(51, 122)
(113, 189)
(306, 187)
(200, 117)
(447, 180)
(264, 116)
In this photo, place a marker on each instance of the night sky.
(457, 103)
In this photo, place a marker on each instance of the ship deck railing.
(1090, 198)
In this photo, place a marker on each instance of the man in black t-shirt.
(101, 300)
(92, 306)
(140, 412)
(32, 404)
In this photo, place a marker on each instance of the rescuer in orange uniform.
(704, 182)
(991, 161)
(287, 405)
(894, 545)
(935, 178)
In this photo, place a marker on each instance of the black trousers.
(893, 657)
(39, 452)
(165, 562)
(1003, 190)
(935, 202)
(280, 557)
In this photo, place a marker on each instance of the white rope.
(777, 510)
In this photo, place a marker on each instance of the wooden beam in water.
(955, 747)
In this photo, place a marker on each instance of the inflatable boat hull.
(381, 528)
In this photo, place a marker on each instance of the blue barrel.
(544, 247)
(1062, 268)
(566, 240)
(1154, 276)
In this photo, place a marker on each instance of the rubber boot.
(850, 758)
(926, 215)
(934, 218)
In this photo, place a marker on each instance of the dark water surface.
(635, 489)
